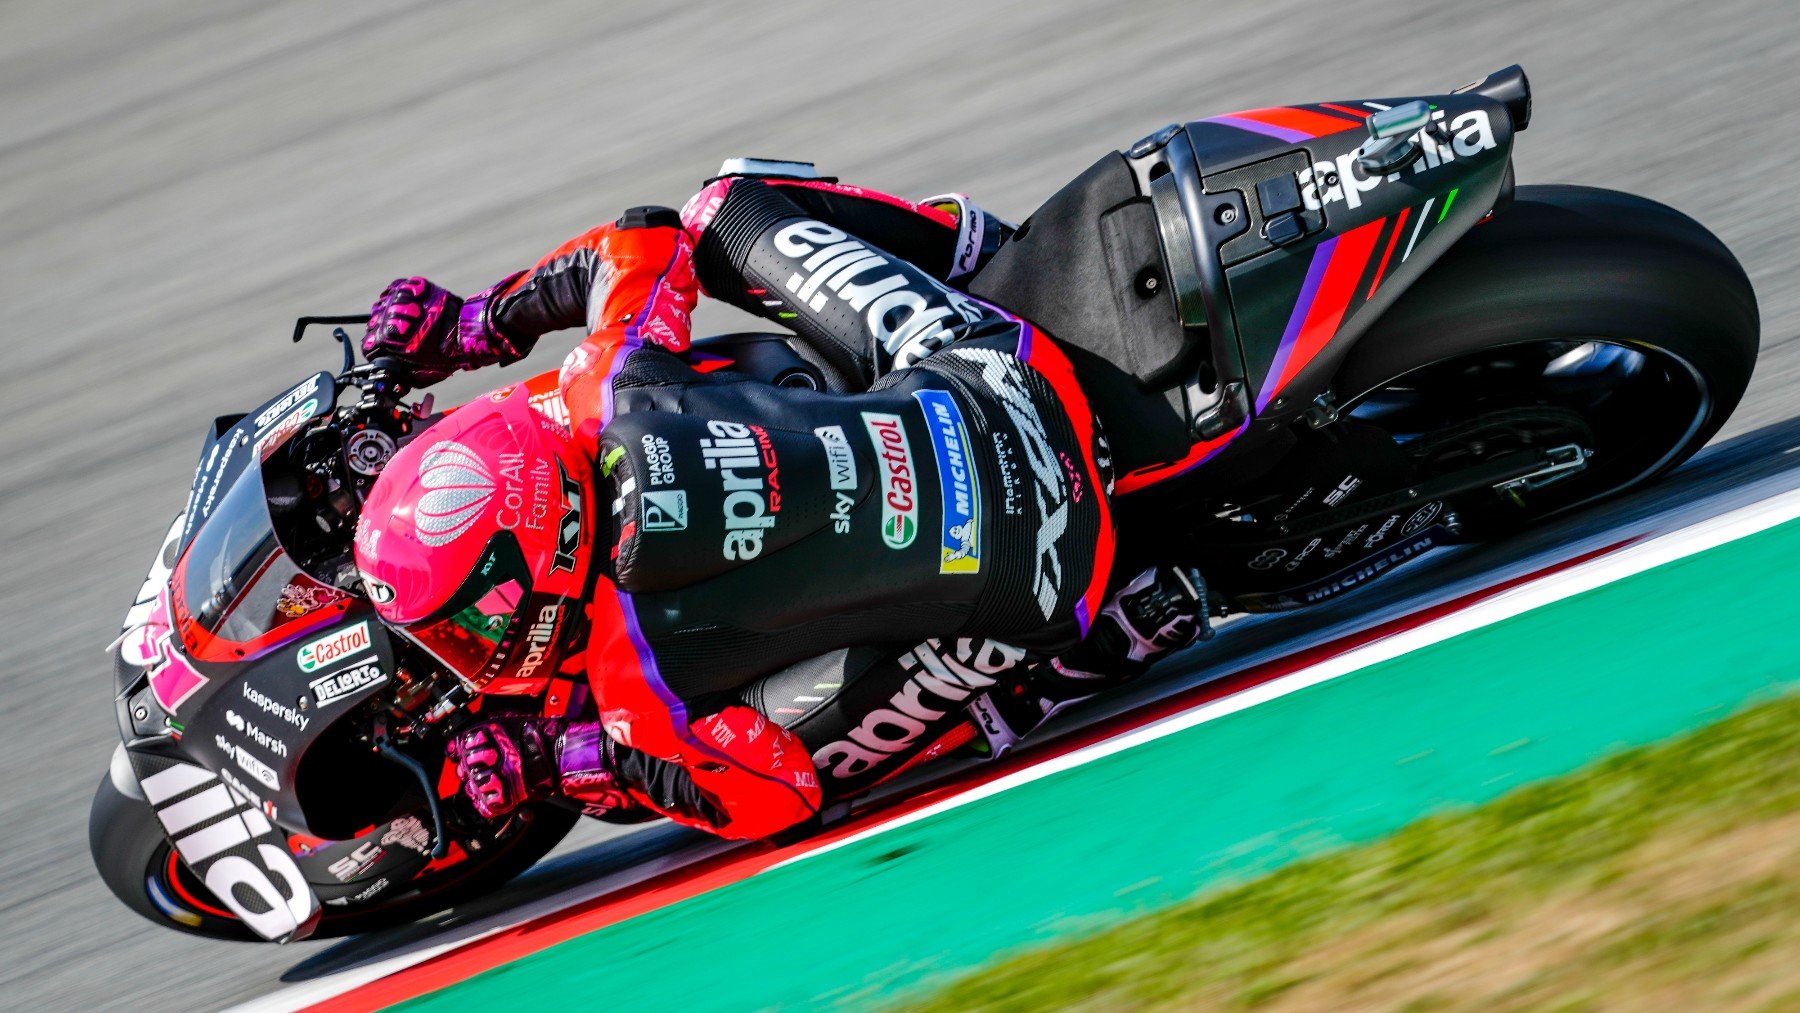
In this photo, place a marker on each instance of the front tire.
(139, 866)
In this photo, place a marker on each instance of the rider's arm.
(860, 277)
(628, 280)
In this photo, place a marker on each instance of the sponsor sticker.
(749, 472)
(899, 503)
(959, 489)
(288, 401)
(839, 458)
(276, 708)
(338, 685)
(666, 510)
(333, 647)
(259, 771)
(255, 734)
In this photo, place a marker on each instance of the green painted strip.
(1447, 202)
(612, 460)
(1350, 760)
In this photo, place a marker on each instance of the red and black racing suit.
(878, 557)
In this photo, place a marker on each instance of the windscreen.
(235, 581)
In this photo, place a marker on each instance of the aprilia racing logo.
(1344, 180)
(906, 316)
(744, 457)
(941, 680)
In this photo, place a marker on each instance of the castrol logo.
(457, 486)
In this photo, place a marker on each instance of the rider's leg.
(1162, 610)
(866, 713)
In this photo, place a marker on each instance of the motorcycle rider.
(742, 527)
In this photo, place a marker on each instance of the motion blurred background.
(180, 178)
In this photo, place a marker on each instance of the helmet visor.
(475, 632)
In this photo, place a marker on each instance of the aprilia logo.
(940, 682)
(538, 638)
(899, 505)
(744, 457)
(232, 847)
(1473, 134)
(905, 315)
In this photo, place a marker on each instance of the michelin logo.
(958, 487)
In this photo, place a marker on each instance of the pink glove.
(506, 763)
(433, 330)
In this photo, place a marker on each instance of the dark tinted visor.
(475, 629)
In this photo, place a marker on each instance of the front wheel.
(137, 863)
(1575, 318)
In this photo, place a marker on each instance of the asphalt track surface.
(179, 179)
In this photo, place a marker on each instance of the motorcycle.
(1323, 340)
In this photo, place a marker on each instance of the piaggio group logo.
(458, 486)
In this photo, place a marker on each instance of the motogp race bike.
(1324, 340)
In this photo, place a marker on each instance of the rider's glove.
(506, 762)
(1163, 610)
(437, 333)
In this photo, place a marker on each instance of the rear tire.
(1562, 269)
(138, 865)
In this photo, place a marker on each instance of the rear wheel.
(1576, 318)
(137, 863)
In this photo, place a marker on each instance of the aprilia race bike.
(1323, 339)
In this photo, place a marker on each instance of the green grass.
(1664, 877)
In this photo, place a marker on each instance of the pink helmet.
(474, 541)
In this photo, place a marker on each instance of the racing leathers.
(910, 548)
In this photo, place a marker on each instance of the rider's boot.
(1163, 610)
